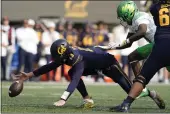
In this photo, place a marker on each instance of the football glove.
(125, 42)
(113, 45)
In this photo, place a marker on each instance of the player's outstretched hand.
(60, 103)
(22, 76)
(112, 45)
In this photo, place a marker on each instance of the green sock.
(144, 93)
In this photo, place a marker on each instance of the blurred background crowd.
(25, 44)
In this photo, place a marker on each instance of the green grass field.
(39, 97)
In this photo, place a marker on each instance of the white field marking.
(56, 94)
(33, 95)
(39, 87)
(27, 94)
(46, 96)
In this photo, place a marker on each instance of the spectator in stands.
(61, 29)
(101, 37)
(31, 23)
(27, 41)
(4, 46)
(70, 34)
(48, 37)
(87, 36)
(94, 28)
(10, 32)
(39, 28)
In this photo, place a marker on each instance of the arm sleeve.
(76, 73)
(46, 68)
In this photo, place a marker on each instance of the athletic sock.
(129, 99)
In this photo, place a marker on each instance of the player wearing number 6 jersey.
(140, 25)
(159, 57)
(136, 21)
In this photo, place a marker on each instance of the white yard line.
(39, 87)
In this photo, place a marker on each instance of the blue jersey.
(161, 15)
(84, 61)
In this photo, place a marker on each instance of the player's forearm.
(136, 36)
(45, 69)
(142, 29)
(124, 46)
(75, 74)
(71, 87)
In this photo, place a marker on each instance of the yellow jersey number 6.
(164, 18)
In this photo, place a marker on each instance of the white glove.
(125, 42)
(113, 45)
(60, 103)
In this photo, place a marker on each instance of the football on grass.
(15, 88)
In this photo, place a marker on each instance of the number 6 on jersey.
(164, 16)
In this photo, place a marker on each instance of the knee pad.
(141, 80)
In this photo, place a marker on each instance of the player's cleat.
(124, 107)
(158, 100)
(144, 93)
(88, 103)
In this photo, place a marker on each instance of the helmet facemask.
(122, 22)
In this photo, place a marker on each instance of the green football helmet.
(126, 11)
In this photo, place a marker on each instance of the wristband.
(65, 95)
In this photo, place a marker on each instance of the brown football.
(15, 88)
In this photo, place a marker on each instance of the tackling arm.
(138, 35)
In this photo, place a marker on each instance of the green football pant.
(145, 51)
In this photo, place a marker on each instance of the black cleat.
(124, 107)
(114, 108)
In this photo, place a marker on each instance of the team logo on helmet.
(128, 7)
(61, 50)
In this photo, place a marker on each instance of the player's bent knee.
(134, 56)
(131, 57)
(141, 80)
